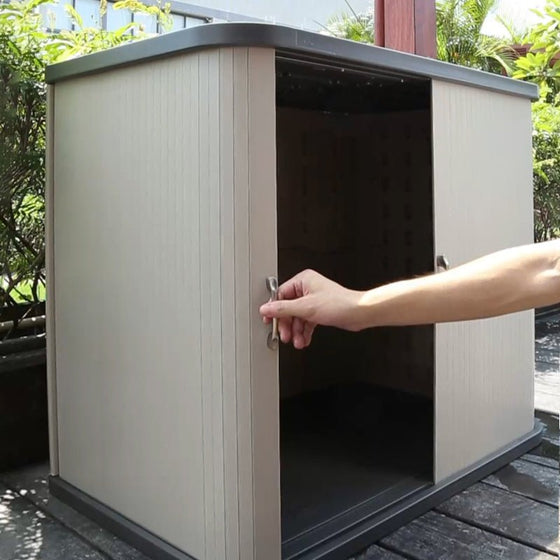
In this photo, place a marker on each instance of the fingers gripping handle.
(272, 287)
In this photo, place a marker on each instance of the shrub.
(26, 47)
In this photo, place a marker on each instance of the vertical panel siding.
(230, 409)
(204, 134)
(215, 311)
(133, 211)
(242, 303)
(482, 203)
(165, 221)
(210, 290)
(263, 262)
(254, 258)
(49, 258)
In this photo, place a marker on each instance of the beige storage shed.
(184, 171)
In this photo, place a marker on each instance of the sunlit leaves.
(541, 65)
(26, 47)
(460, 39)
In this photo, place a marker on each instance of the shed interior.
(354, 184)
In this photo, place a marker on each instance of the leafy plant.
(516, 34)
(85, 39)
(541, 65)
(355, 26)
(26, 47)
(546, 176)
(22, 148)
(459, 33)
(460, 39)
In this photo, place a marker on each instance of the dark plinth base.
(364, 532)
(109, 519)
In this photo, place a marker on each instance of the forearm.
(504, 282)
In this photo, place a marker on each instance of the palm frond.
(460, 39)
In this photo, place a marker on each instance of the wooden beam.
(399, 25)
(425, 28)
(380, 22)
(406, 25)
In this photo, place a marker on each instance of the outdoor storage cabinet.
(185, 170)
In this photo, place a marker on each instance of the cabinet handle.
(272, 287)
(442, 262)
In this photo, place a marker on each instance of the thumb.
(281, 309)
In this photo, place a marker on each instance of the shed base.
(335, 546)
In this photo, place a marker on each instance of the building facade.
(307, 14)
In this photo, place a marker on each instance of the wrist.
(360, 314)
(375, 307)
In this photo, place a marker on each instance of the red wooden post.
(406, 25)
(379, 15)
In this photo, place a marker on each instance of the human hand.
(307, 300)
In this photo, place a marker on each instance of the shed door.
(167, 395)
(482, 203)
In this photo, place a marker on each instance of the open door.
(482, 203)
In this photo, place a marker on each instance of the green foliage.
(87, 39)
(459, 33)
(546, 177)
(515, 34)
(353, 26)
(460, 39)
(541, 66)
(26, 47)
(22, 149)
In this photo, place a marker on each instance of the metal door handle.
(442, 262)
(272, 287)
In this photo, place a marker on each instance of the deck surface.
(511, 515)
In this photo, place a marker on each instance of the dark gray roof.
(292, 43)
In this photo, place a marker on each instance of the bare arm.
(503, 282)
